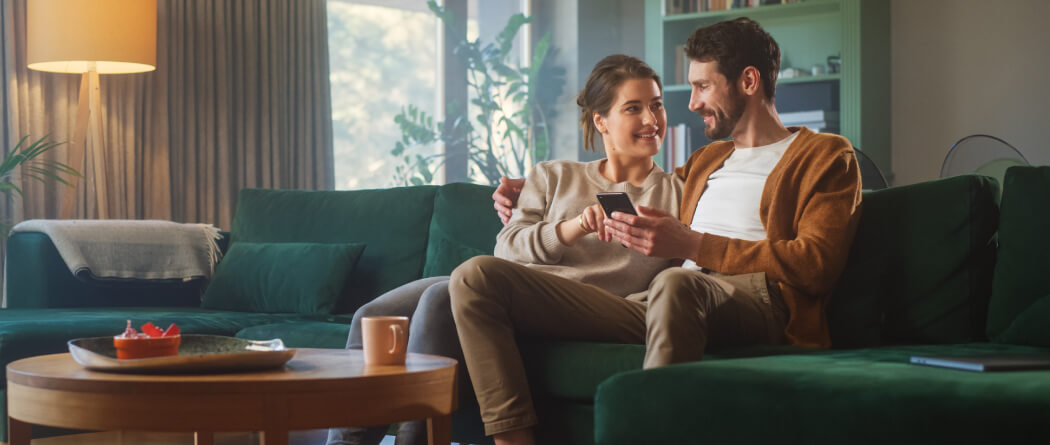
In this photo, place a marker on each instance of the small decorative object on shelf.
(834, 64)
(791, 73)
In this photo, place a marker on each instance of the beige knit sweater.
(557, 191)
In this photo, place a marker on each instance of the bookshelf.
(808, 31)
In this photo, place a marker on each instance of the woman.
(557, 231)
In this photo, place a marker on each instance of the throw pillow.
(303, 278)
(1021, 275)
(919, 269)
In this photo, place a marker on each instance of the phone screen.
(616, 202)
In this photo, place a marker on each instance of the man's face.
(719, 102)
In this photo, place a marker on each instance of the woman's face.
(636, 122)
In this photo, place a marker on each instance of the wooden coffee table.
(318, 388)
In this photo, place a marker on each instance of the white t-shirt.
(729, 205)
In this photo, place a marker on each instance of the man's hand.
(654, 233)
(506, 196)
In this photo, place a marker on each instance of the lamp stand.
(89, 114)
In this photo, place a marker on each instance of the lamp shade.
(67, 36)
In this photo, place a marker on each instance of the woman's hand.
(591, 220)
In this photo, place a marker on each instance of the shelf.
(793, 80)
(808, 79)
(779, 11)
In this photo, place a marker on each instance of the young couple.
(765, 224)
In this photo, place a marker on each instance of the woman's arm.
(531, 236)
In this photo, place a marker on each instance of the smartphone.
(616, 202)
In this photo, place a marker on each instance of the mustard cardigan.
(810, 207)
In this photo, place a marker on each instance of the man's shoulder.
(828, 144)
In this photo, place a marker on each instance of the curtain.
(249, 102)
(239, 99)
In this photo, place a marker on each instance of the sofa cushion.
(30, 332)
(919, 270)
(802, 399)
(1021, 276)
(302, 278)
(463, 226)
(569, 370)
(302, 334)
(394, 223)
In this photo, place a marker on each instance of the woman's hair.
(599, 93)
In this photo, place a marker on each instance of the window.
(382, 56)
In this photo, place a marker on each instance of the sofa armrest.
(37, 277)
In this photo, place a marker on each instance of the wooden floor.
(311, 437)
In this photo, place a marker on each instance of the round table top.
(308, 370)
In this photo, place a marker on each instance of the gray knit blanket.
(132, 249)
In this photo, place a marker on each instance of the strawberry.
(172, 330)
(152, 331)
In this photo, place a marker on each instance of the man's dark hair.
(735, 45)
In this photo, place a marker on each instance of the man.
(767, 218)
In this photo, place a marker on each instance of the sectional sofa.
(919, 280)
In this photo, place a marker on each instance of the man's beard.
(724, 123)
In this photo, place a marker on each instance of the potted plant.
(27, 158)
(508, 133)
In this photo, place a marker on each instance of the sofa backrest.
(464, 225)
(392, 223)
(1019, 311)
(920, 267)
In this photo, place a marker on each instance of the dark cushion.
(394, 223)
(463, 226)
(919, 270)
(302, 278)
(859, 396)
(1022, 272)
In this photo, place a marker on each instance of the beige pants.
(683, 312)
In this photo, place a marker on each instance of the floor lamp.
(91, 38)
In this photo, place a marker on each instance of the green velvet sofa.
(919, 280)
(936, 269)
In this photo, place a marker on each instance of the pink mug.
(385, 340)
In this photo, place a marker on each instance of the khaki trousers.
(494, 301)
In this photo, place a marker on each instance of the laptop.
(986, 363)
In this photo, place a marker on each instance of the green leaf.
(7, 186)
(505, 39)
(539, 55)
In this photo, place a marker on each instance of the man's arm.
(811, 261)
(506, 197)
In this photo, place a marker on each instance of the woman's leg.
(494, 301)
(433, 331)
(401, 301)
